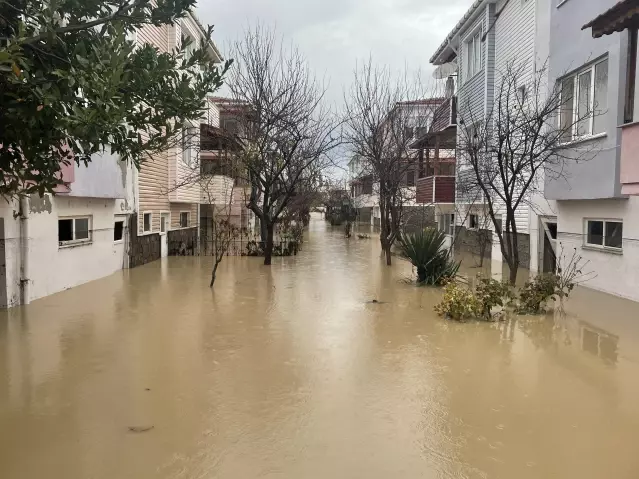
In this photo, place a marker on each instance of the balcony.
(629, 171)
(436, 190)
(445, 116)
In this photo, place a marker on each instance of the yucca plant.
(425, 250)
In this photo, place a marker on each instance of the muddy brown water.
(293, 372)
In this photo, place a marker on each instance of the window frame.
(150, 230)
(188, 219)
(476, 221)
(470, 42)
(603, 246)
(166, 214)
(574, 76)
(75, 241)
(119, 219)
(187, 145)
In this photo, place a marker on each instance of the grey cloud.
(334, 34)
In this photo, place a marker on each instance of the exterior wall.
(153, 176)
(472, 91)
(471, 241)
(50, 267)
(105, 177)
(144, 248)
(540, 206)
(572, 48)
(177, 208)
(616, 273)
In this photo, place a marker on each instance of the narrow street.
(293, 372)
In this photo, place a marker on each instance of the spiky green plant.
(426, 251)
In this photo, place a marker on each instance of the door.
(164, 237)
(548, 244)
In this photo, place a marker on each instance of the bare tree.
(225, 233)
(289, 131)
(383, 115)
(503, 155)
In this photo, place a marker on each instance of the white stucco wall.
(51, 267)
(616, 273)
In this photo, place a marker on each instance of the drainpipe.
(23, 212)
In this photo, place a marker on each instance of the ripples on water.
(292, 372)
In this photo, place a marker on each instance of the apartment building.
(224, 188)
(491, 35)
(168, 188)
(416, 117)
(594, 58)
(108, 216)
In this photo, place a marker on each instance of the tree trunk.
(268, 247)
(213, 273)
(513, 272)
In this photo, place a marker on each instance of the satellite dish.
(445, 70)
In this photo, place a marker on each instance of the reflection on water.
(292, 372)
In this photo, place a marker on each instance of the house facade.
(168, 188)
(597, 199)
(109, 215)
(55, 242)
(416, 116)
(491, 36)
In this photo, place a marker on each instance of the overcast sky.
(334, 34)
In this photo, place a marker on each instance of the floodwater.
(292, 372)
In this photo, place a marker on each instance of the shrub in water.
(425, 250)
(459, 303)
(491, 293)
(538, 291)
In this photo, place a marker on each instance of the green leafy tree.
(73, 83)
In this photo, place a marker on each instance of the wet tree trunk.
(268, 247)
(213, 273)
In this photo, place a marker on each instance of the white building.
(597, 200)
(53, 243)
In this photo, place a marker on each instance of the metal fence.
(244, 246)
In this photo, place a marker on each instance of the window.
(604, 233)
(147, 222)
(410, 178)
(231, 126)
(473, 58)
(447, 223)
(584, 101)
(189, 135)
(184, 219)
(473, 222)
(74, 230)
(118, 230)
(164, 222)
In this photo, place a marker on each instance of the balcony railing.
(435, 190)
(629, 171)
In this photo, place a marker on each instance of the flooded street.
(291, 372)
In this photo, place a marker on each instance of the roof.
(622, 15)
(437, 59)
(213, 47)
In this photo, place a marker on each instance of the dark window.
(410, 178)
(118, 230)
(614, 234)
(65, 230)
(147, 222)
(474, 223)
(595, 233)
(184, 219)
(552, 229)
